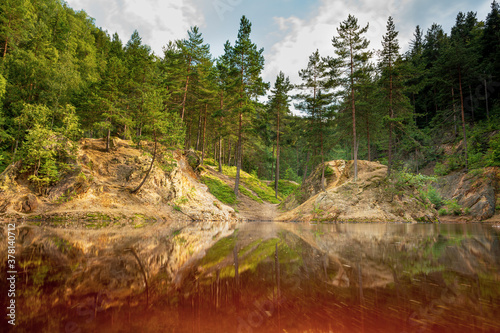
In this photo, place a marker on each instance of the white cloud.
(301, 37)
(158, 21)
(304, 36)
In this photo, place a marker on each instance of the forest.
(435, 107)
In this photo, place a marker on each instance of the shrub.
(493, 156)
(434, 197)
(454, 207)
(285, 187)
(440, 169)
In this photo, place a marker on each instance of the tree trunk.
(220, 154)
(108, 135)
(471, 103)
(5, 46)
(304, 176)
(297, 154)
(463, 119)
(239, 155)
(150, 167)
(204, 132)
(185, 90)
(391, 116)
(322, 157)
(486, 100)
(199, 132)
(368, 138)
(214, 144)
(221, 150)
(353, 117)
(454, 112)
(273, 174)
(240, 128)
(276, 179)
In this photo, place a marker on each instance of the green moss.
(249, 194)
(253, 183)
(219, 189)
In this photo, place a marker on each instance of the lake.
(302, 277)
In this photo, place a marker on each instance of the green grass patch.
(285, 187)
(219, 189)
(210, 161)
(249, 194)
(253, 183)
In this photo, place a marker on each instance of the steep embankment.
(372, 198)
(98, 187)
(477, 192)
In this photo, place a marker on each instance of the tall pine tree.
(351, 49)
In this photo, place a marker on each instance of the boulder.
(370, 199)
(29, 203)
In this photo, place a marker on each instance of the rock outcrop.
(371, 198)
(476, 191)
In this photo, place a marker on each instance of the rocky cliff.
(372, 198)
(98, 185)
(477, 191)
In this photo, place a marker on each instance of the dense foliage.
(62, 78)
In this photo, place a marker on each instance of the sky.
(288, 30)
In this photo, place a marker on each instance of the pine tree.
(350, 46)
(389, 55)
(279, 103)
(461, 60)
(194, 52)
(247, 64)
(314, 99)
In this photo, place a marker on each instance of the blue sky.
(288, 30)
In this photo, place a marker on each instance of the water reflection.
(297, 277)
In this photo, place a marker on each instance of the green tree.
(140, 67)
(16, 21)
(392, 83)
(461, 60)
(279, 104)
(167, 126)
(193, 52)
(490, 50)
(313, 101)
(350, 46)
(247, 64)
